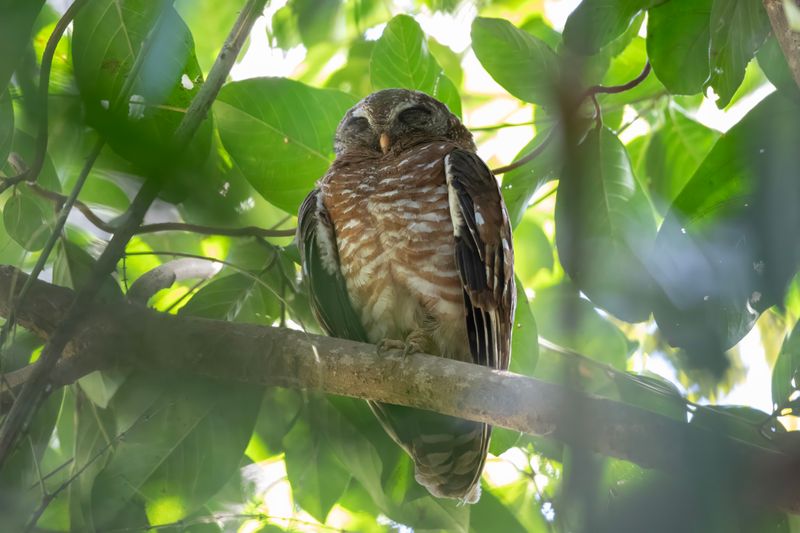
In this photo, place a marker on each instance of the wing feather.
(316, 240)
(484, 256)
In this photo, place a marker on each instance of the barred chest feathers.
(395, 241)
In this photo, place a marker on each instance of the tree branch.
(787, 38)
(112, 334)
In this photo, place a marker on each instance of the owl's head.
(396, 119)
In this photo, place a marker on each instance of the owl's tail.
(448, 452)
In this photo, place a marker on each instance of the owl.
(405, 242)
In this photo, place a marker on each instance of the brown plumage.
(406, 239)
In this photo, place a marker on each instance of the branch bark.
(787, 38)
(122, 333)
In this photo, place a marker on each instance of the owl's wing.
(484, 256)
(316, 241)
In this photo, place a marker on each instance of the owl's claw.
(415, 342)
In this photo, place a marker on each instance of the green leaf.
(280, 134)
(525, 337)
(6, 125)
(743, 423)
(674, 154)
(318, 21)
(625, 67)
(183, 440)
(318, 479)
(595, 23)
(490, 514)
(652, 392)
(785, 376)
(525, 66)
(25, 221)
(726, 250)
(238, 297)
(138, 111)
(73, 268)
(16, 26)
(773, 64)
(101, 385)
(678, 38)
(401, 59)
(604, 227)
(566, 319)
(520, 184)
(532, 250)
(738, 29)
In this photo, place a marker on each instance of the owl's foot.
(416, 342)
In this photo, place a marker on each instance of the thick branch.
(787, 38)
(116, 333)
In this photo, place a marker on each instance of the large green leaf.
(605, 226)
(280, 134)
(139, 110)
(318, 478)
(239, 297)
(318, 21)
(595, 23)
(401, 59)
(26, 221)
(184, 438)
(490, 514)
(211, 21)
(16, 25)
(726, 250)
(533, 251)
(674, 153)
(678, 37)
(525, 336)
(525, 66)
(738, 29)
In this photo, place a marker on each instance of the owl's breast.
(395, 240)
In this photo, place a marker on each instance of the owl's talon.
(387, 345)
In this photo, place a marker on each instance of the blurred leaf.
(532, 250)
(101, 385)
(211, 21)
(723, 253)
(652, 392)
(401, 59)
(525, 66)
(24, 145)
(448, 59)
(674, 154)
(522, 498)
(354, 77)
(292, 122)
(740, 422)
(542, 30)
(184, 438)
(605, 227)
(525, 337)
(520, 184)
(595, 23)
(566, 319)
(137, 111)
(16, 26)
(20, 492)
(318, 479)
(6, 125)
(773, 63)
(25, 221)
(678, 38)
(738, 29)
(318, 20)
(490, 514)
(625, 67)
(238, 297)
(73, 268)
(785, 376)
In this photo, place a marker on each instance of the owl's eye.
(358, 124)
(414, 116)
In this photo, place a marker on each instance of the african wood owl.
(406, 242)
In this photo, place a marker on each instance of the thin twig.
(592, 93)
(530, 156)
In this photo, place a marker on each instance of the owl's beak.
(385, 143)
